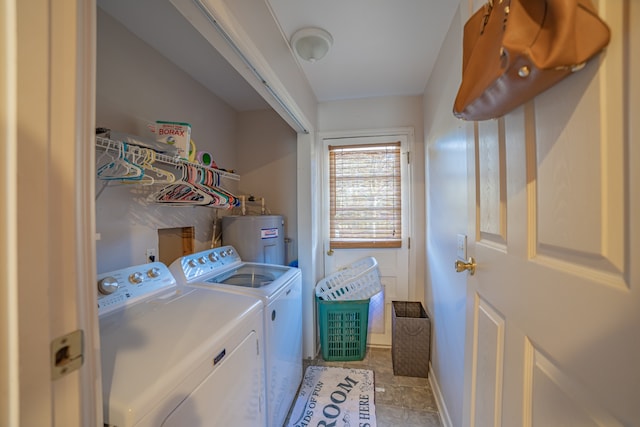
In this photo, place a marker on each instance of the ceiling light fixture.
(311, 44)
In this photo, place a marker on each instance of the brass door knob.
(330, 252)
(469, 265)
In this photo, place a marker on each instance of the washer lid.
(251, 275)
(265, 281)
(149, 348)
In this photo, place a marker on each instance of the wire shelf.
(107, 143)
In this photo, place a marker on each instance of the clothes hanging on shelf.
(118, 167)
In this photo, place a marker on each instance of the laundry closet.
(226, 356)
(137, 85)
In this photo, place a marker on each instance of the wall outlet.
(151, 255)
(461, 246)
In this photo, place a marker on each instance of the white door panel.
(392, 263)
(552, 310)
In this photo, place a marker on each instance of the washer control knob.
(108, 285)
(202, 260)
(192, 263)
(153, 273)
(136, 278)
(229, 251)
(213, 257)
(223, 254)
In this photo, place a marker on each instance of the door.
(393, 262)
(554, 307)
(48, 257)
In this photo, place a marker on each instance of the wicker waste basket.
(411, 330)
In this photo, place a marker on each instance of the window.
(365, 196)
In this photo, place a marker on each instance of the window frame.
(350, 137)
(394, 211)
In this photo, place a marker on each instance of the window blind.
(365, 196)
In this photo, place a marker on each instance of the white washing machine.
(178, 358)
(280, 289)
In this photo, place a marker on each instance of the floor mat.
(339, 397)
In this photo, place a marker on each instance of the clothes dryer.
(178, 358)
(280, 289)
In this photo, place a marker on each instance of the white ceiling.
(380, 48)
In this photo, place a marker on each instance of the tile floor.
(400, 401)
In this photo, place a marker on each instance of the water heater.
(257, 238)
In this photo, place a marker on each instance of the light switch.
(461, 246)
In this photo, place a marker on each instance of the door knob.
(330, 252)
(469, 265)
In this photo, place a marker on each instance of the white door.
(553, 310)
(393, 263)
(47, 62)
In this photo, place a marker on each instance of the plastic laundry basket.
(343, 329)
(359, 280)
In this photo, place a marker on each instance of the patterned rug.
(338, 397)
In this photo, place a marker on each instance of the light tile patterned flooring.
(400, 401)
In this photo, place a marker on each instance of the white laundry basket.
(359, 280)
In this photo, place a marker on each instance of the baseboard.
(442, 407)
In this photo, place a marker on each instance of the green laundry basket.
(343, 329)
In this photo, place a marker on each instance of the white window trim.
(406, 147)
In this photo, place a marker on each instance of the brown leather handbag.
(515, 49)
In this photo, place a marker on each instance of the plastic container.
(358, 281)
(343, 329)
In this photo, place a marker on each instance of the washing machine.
(280, 289)
(171, 357)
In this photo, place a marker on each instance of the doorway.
(382, 230)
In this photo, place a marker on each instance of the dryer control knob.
(108, 285)
(192, 263)
(213, 257)
(229, 251)
(136, 278)
(202, 260)
(154, 272)
(223, 254)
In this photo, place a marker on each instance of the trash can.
(410, 335)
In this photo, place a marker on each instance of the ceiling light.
(311, 44)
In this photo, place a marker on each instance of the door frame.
(48, 72)
(407, 132)
(407, 205)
